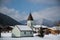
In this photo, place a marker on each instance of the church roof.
(30, 17)
(24, 28)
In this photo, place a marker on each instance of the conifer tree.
(41, 32)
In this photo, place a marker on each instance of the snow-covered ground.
(6, 35)
(46, 37)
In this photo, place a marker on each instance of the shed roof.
(55, 28)
(38, 26)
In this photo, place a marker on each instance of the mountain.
(6, 20)
(57, 23)
(40, 22)
(24, 22)
(36, 22)
(48, 23)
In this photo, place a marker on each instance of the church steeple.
(30, 17)
(30, 21)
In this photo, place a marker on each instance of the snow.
(46, 37)
(6, 35)
(11, 26)
(38, 26)
(52, 37)
(23, 27)
(35, 34)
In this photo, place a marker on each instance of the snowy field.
(47, 37)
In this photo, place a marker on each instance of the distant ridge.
(6, 20)
(45, 22)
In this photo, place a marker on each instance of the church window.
(30, 32)
(24, 32)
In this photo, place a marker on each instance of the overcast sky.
(20, 9)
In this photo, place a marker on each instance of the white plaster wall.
(27, 34)
(29, 23)
(16, 32)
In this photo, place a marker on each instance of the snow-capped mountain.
(40, 22)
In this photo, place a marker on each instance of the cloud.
(44, 1)
(15, 14)
(52, 13)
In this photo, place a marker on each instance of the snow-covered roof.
(38, 26)
(44, 26)
(55, 28)
(11, 26)
(24, 27)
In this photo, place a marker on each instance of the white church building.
(24, 30)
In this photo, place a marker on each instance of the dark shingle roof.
(30, 17)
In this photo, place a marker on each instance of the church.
(24, 30)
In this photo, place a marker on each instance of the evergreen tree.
(41, 32)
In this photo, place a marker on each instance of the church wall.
(26, 33)
(29, 23)
(15, 32)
